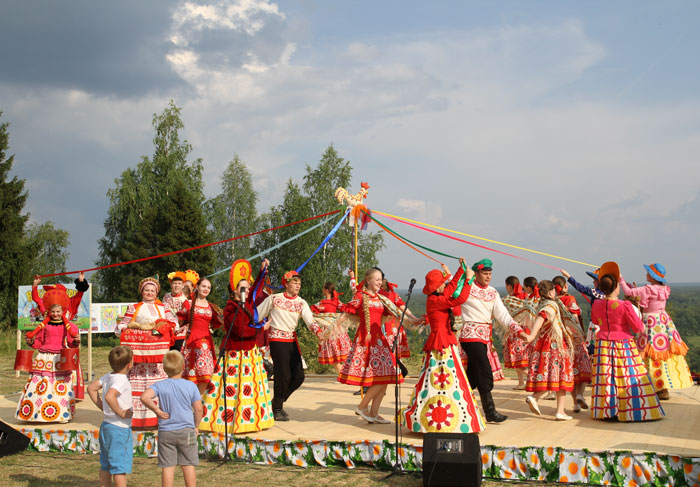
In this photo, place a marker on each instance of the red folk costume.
(336, 348)
(147, 328)
(551, 354)
(248, 400)
(515, 350)
(583, 369)
(391, 326)
(442, 399)
(370, 361)
(198, 349)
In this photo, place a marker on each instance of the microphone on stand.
(410, 287)
(243, 291)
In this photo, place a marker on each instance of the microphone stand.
(224, 355)
(398, 468)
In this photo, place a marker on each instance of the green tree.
(231, 214)
(154, 209)
(47, 246)
(315, 197)
(12, 199)
(25, 250)
(332, 263)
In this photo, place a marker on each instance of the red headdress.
(518, 291)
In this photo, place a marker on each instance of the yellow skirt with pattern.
(244, 403)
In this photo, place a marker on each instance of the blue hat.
(593, 275)
(657, 272)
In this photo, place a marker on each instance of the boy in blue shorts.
(179, 411)
(116, 440)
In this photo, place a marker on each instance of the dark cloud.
(106, 48)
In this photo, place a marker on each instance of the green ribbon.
(462, 280)
(411, 241)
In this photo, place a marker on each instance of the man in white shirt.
(483, 307)
(284, 310)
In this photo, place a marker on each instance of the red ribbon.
(189, 249)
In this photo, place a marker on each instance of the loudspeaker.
(11, 440)
(451, 459)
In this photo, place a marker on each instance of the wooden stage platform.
(323, 410)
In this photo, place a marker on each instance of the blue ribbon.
(275, 247)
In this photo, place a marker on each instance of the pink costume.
(48, 394)
(660, 345)
(621, 385)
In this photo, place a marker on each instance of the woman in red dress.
(199, 316)
(371, 362)
(333, 351)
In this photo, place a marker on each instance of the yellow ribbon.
(485, 239)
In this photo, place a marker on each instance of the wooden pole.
(19, 345)
(89, 377)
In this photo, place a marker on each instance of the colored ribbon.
(460, 284)
(405, 241)
(404, 220)
(277, 246)
(189, 249)
(325, 240)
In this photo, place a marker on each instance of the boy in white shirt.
(116, 440)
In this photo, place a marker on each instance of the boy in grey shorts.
(179, 411)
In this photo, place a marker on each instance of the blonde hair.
(119, 357)
(173, 363)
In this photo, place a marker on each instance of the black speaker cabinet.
(451, 459)
(11, 440)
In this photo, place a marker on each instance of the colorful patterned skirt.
(663, 352)
(334, 350)
(621, 385)
(369, 363)
(248, 400)
(199, 360)
(48, 393)
(142, 376)
(442, 400)
(582, 365)
(515, 352)
(550, 369)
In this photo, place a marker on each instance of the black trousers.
(178, 345)
(288, 371)
(479, 370)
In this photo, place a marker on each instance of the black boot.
(492, 416)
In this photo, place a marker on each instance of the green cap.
(483, 265)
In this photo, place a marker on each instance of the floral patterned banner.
(548, 464)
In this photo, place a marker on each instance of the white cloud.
(474, 118)
(420, 209)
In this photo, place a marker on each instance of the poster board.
(105, 317)
(28, 314)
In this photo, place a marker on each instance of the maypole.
(357, 211)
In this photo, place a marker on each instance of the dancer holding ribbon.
(479, 311)
(660, 345)
(442, 400)
(247, 405)
(284, 310)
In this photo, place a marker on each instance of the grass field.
(77, 470)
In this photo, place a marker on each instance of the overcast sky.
(572, 128)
